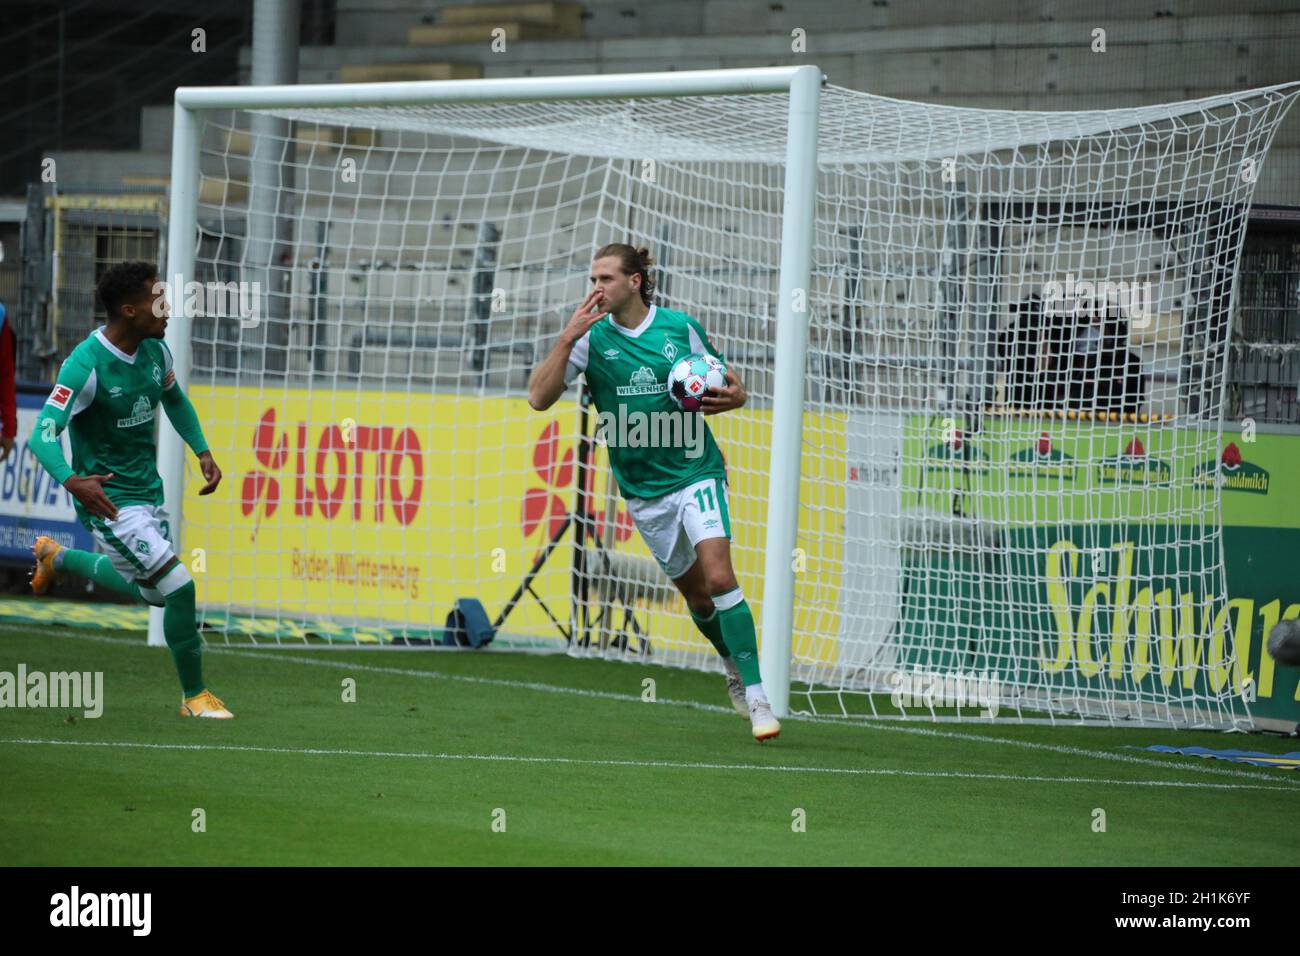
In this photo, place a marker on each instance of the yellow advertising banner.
(385, 507)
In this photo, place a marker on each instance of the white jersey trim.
(578, 358)
(86, 395)
(697, 343)
(103, 340)
(634, 333)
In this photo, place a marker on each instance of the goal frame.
(803, 86)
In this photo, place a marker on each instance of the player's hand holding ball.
(701, 383)
(726, 397)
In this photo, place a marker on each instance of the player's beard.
(159, 329)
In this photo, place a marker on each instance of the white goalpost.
(979, 472)
(800, 84)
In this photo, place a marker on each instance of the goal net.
(1011, 446)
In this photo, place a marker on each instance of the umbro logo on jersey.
(115, 391)
(670, 351)
(611, 353)
(642, 382)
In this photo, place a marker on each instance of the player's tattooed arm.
(547, 383)
(732, 395)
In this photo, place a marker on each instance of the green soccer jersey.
(107, 400)
(627, 373)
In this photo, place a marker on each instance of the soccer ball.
(694, 377)
(1284, 643)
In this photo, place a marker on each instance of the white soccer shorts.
(672, 524)
(137, 541)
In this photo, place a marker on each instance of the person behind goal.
(626, 345)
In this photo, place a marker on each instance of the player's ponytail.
(633, 260)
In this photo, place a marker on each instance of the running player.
(106, 395)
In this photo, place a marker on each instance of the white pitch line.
(1068, 750)
(648, 764)
(283, 656)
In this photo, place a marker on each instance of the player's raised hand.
(210, 472)
(89, 490)
(587, 314)
(732, 395)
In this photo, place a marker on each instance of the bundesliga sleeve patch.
(59, 397)
(169, 380)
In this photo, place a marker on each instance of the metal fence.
(69, 239)
(1264, 362)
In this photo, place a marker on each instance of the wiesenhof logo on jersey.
(141, 412)
(643, 382)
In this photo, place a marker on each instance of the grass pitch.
(441, 750)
